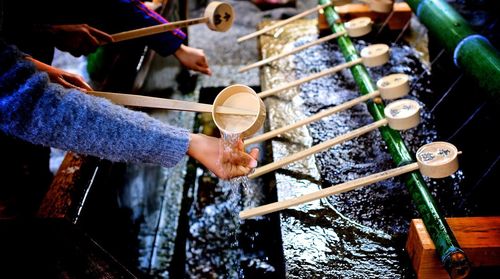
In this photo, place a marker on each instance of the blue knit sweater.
(40, 112)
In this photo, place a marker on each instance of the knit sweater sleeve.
(40, 112)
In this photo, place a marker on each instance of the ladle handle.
(295, 50)
(294, 83)
(310, 119)
(283, 22)
(332, 190)
(317, 148)
(151, 30)
(152, 102)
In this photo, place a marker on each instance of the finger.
(254, 153)
(242, 171)
(102, 36)
(77, 81)
(203, 66)
(244, 159)
(64, 83)
(204, 70)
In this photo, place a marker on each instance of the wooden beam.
(479, 237)
(401, 16)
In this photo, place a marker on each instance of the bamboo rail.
(451, 255)
(471, 52)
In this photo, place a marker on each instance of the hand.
(193, 59)
(78, 39)
(64, 78)
(223, 160)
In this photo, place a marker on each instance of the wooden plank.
(402, 14)
(479, 237)
(68, 187)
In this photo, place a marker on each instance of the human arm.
(61, 77)
(40, 112)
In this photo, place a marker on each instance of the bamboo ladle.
(293, 18)
(371, 56)
(354, 28)
(399, 115)
(435, 160)
(236, 109)
(218, 16)
(389, 87)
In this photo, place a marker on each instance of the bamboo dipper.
(236, 109)
(218, 17)
(354, 28)
(435, 160)
(389, 87)
(399, 115)
(371, 56)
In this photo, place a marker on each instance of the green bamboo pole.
(471, 52)
(452, 257)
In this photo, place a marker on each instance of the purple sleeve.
(133, 14)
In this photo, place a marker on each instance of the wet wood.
(399, 18)
(68, 187)
(479, 237)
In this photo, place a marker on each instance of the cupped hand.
(223, 159)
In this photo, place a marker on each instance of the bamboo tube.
(450, 253)
(471, 51)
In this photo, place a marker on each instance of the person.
(36, 27)
(43, 113)
(39, 26)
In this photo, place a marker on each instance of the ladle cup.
(242, 97)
